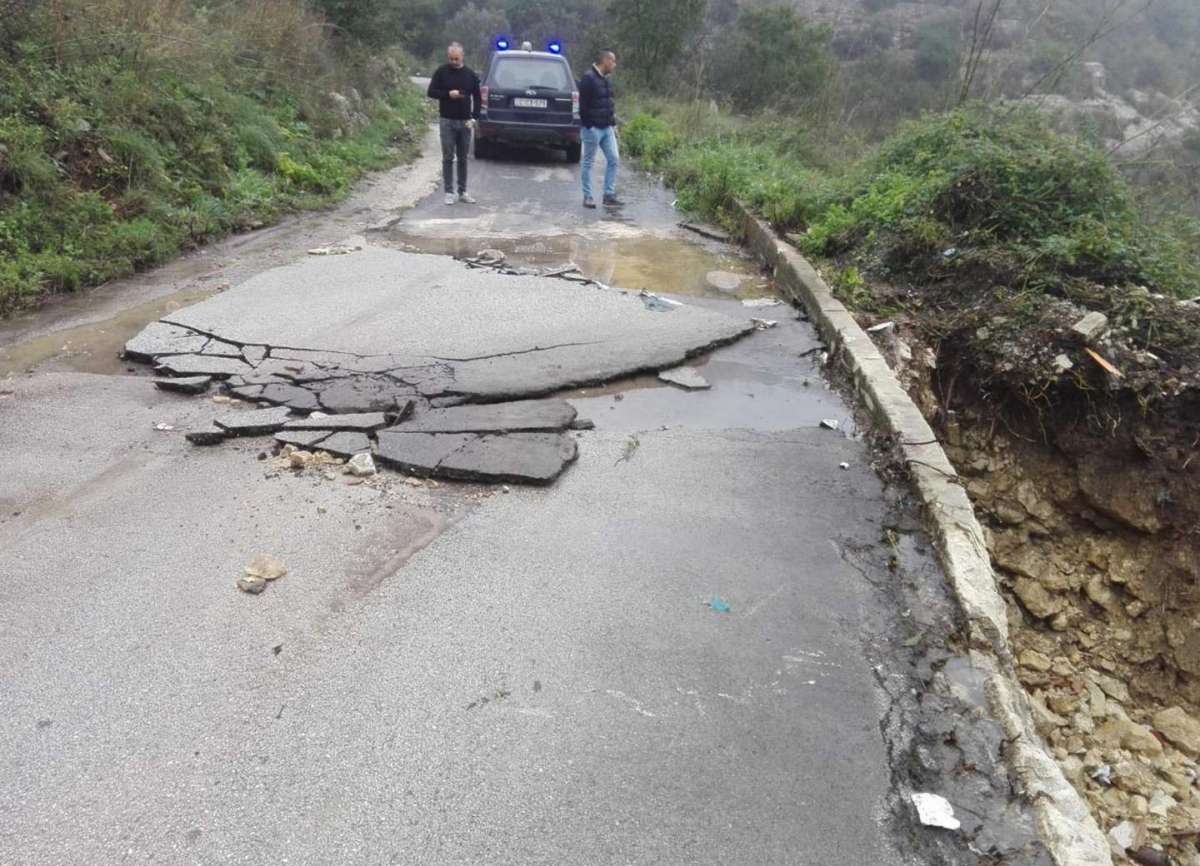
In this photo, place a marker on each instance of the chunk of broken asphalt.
(418, 453)
(344, 444)
(514, 417)
(688, 378)
(255, 423)
(519, 458)
(159, 339)
(301, 438)
(211, 436)
(184, 385)
(366, 394)
(202, 365)
(361, 422)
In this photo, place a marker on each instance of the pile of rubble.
(1104, 598)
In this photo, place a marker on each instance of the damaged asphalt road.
(705, 643)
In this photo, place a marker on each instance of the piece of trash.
(719, 606)
(934, 810)
(844, 465)
(831, 424)
(265, 566)
(762, 302)
(1062, 363)
(252, 585)
(277, 649)
(763, 324)
(951, 253)
(1103, 362)
(1103, 775)
(881, 327)
(164, 428)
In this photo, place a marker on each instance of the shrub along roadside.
(111, 164)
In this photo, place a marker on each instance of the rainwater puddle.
(659, 264)
(97, 347)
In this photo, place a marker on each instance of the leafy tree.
(649, 34)
(476, 28)
(771, 56)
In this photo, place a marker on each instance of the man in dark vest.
(456, 88)
(598, 112)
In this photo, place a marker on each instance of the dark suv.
(529, 97)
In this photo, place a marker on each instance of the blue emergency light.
(502, 44)
(555, 47)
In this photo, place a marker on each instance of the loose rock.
(251, 585)
(361, 466)
(1180, 729)
(266, 567)
(1091, 326)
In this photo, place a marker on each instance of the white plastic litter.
(762, 302)
(935, 810)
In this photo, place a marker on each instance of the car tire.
(574, 153)
(483, 148)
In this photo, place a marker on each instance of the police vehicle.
(528, 97)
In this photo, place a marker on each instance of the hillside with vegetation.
(133, 129)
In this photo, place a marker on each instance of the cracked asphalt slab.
(458, 674)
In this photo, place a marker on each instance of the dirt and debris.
(1081, 463)
(262, 570)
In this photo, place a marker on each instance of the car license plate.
(520, 102)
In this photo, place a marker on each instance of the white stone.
(361, 465)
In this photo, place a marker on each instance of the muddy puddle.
(96, 347)
(659, 264)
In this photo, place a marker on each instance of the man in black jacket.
(456, 88)
(598, 112)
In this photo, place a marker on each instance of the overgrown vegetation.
(991, 232)
(132, 129)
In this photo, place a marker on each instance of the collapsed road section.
(419, 360)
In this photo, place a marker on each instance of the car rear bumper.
(539, 132)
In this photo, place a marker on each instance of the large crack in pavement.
(371, 352)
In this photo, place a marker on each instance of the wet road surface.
(456, 674)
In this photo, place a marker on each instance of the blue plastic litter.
(720, 606)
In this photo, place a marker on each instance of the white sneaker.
(466, 198)
(451, 198)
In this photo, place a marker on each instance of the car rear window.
(531, 73)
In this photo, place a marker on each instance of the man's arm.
(476, 97)
(437, 86)
(585, 96)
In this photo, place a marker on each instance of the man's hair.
(454, 45)
(604, 54)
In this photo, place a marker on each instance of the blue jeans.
(606, 140)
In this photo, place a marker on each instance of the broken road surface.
(684, 650)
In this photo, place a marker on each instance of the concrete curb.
(1065, 823)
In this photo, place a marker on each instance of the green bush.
(984, 183)
(649, 139)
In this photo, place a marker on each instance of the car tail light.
(484, 92)
(575, 104)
